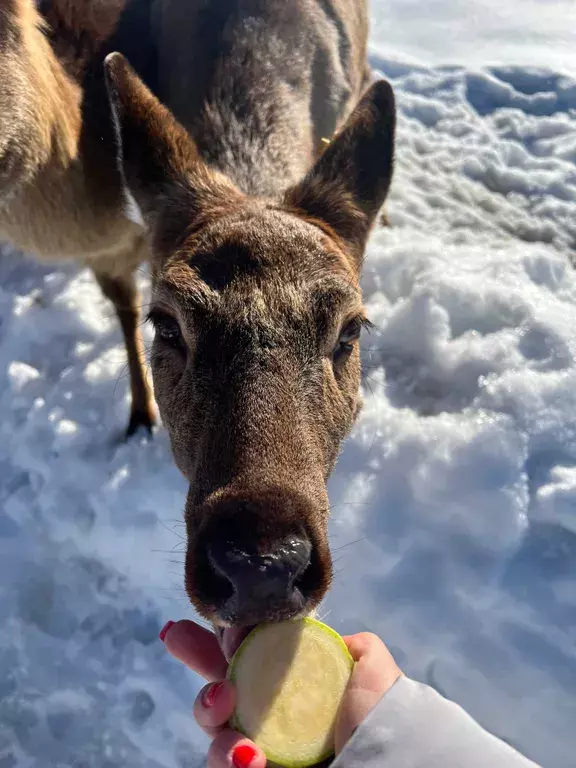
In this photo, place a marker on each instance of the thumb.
(375, 672)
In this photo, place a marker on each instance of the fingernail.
(209, 695)
(165, 629)
(243, 756)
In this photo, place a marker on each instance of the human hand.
(375, 672)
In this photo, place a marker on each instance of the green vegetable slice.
(290, 678)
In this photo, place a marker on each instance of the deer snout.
(257, 557)
(260, 582)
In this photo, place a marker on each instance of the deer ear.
(350, 181)
(162, 169)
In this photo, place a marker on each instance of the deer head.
(258, 312)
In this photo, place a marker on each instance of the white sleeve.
(414, 727)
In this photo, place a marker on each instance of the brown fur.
(79, 28)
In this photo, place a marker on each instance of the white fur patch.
(132, 209)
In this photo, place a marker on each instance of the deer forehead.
(271, 297)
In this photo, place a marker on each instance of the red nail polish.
(243, 756)
(209, 695)
(165, 629)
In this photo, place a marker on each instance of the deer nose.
(263, 580)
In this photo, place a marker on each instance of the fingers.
(232, 750)
(214, 706)
(200, 651)
(212, 710)
(198, 648)
(375, 672)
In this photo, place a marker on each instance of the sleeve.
(414, 727)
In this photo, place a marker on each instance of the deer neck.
(263, 142)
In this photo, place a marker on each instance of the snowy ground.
(454, 502)
(477, 32)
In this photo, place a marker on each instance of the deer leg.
(123, 294)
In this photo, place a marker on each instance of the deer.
(61, 193)
(252, 163)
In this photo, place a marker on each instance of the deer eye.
(349, 334)
(166, 327)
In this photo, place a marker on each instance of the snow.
(478, 32)
(454, 503)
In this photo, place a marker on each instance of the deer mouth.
(231, 638)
